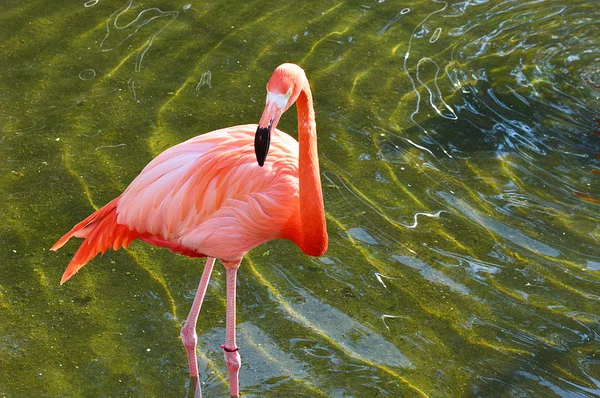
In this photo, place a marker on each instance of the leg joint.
(188, 336)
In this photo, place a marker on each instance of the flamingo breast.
(209, 194)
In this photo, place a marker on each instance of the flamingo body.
(203, 197)
(215, 196)
(208, 194)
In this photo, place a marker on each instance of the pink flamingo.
(208, 197)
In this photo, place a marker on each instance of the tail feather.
(101, 232)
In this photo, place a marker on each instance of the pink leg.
(188, 331)
(232, 356)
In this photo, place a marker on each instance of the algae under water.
(459, 156)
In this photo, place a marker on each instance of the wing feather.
(209, 191)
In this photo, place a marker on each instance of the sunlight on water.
(459, 148)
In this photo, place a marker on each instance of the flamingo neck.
(313, 239)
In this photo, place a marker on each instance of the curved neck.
(313, 228)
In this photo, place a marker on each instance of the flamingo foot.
(188, 334)
(195, 382)
(190, 339)
(233, 362)
(232, 356)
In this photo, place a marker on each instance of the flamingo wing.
(209, 195)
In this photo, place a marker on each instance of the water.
(458, 148)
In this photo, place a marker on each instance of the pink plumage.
(204, 197)
(215, 196)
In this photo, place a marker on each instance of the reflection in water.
(350, 336)
(269, 364)
(506, 232)
(431, 274)
(362, 235)
(127, 31)
(458, 141)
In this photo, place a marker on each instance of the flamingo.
(214, 196)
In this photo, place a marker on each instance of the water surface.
(459, 152)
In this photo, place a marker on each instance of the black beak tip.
(262, 139)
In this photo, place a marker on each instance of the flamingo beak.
(262, 140)
(268, 122)
(276, 105)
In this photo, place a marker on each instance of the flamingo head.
(283, 89)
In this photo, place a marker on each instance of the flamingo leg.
(232, 356)
(188, 331)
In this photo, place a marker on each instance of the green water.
(454, 137)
